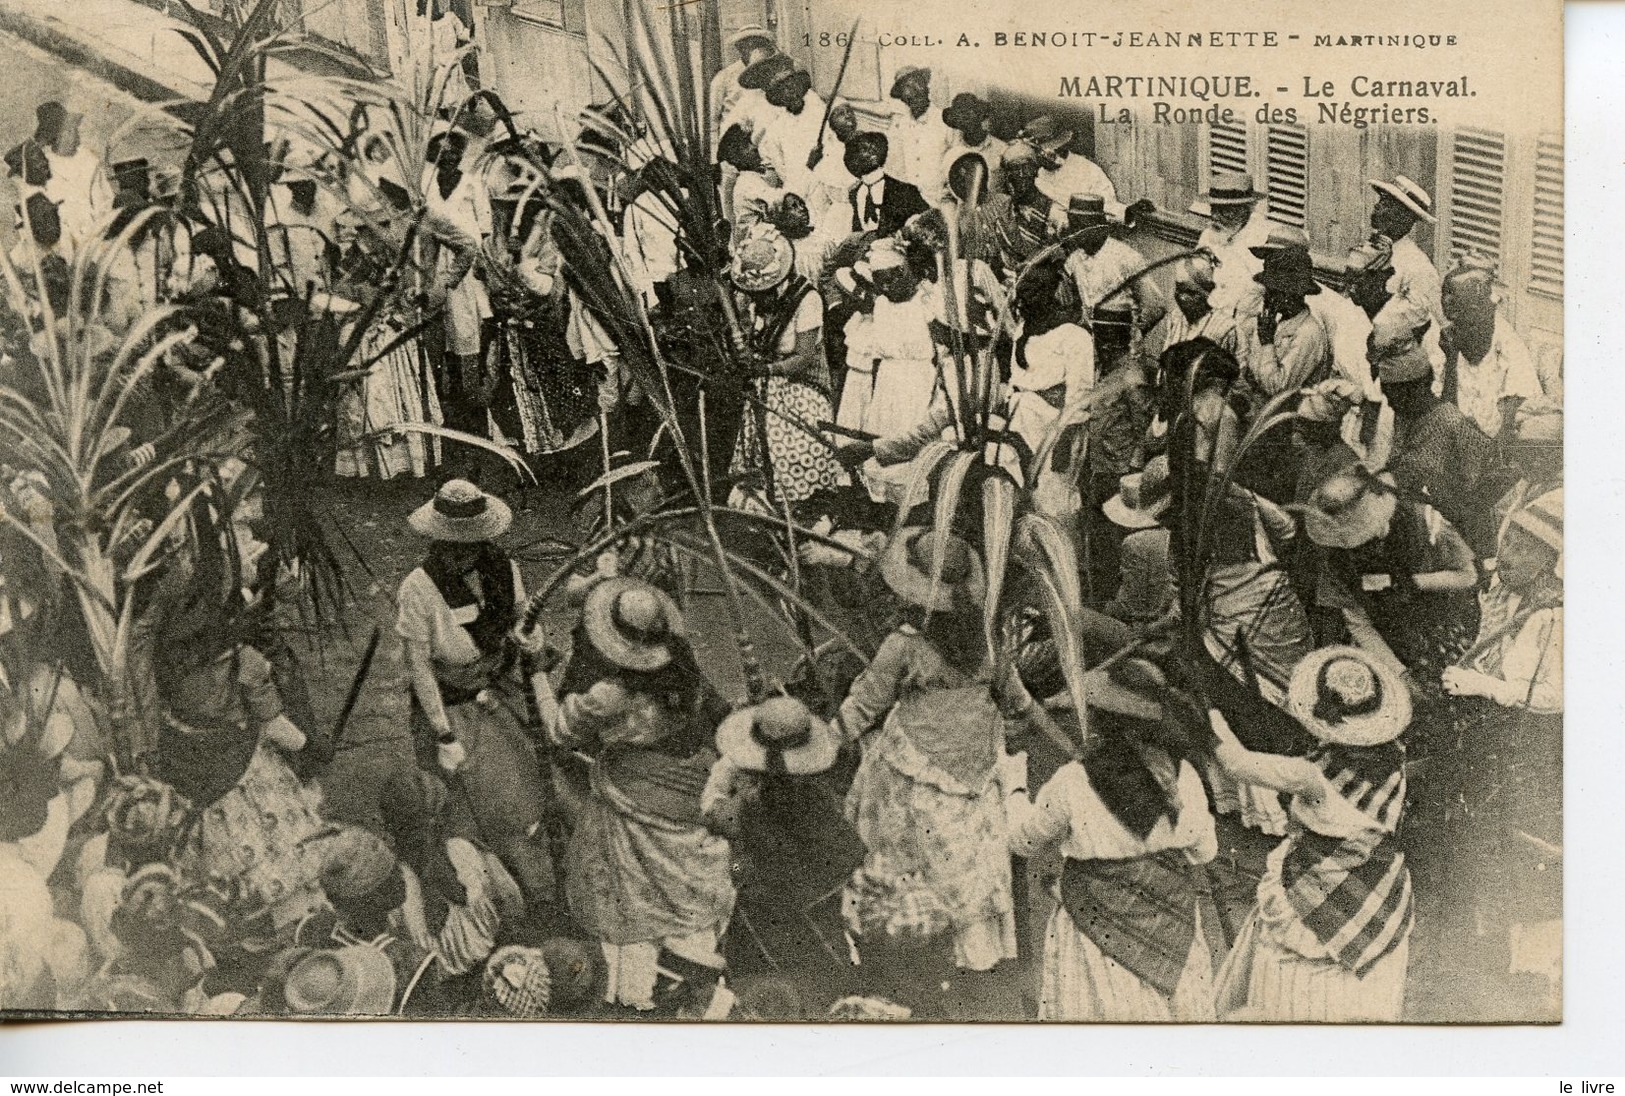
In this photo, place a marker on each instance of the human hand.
(1268, 321)
(284, 735)
(1012, 773)
(450, 753)
(854, 455)
(1459, 681)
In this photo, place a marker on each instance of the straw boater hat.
(1328, 401)
(1408, 194)
(358, 980)
(462, 513)
(1350, 508)
(1045, 133)
(762, 259)
(764, 69)
(1142, 497)
(1230, 188)
(631, 623)
(517, 981)
(1086, 215)
(751, 32)
(778, 735)
(906, 567)
(1345, 696)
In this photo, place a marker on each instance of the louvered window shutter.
(1546, 248)
(1477, 192)
(1287, 160)
(1227, 148)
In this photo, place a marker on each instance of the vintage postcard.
(782, 510)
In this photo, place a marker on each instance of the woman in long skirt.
(1330, 937)
(785, 318)
(925, 799)
(1129, 941)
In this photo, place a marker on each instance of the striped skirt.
(1081, 983)
(1263, 981)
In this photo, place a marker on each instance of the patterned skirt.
(555, 397)
(801, 465)
(1264, 981)
(257, 833)
(398, 388)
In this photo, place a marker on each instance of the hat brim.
(1361, 523)
(598, 618)
(1305, 285)
(758, 76)
(959, 119)
(1125, 516)
(914, 585)
(750, 34)
(489, 524)
(1382, 186)
(1208, 199)
(1385, 724)
(734, 742)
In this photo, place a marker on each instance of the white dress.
(1064, 358)
(905, 377)
(459, 220)
(1080, 982)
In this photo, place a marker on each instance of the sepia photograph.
(794, 511)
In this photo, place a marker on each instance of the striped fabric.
(1354, 892)
(1141, 913)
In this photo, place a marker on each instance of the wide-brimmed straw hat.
(1230, 188)
(358, 980)
(462, 513)
(778, 735)
(1142, 497)
(907, 564)
(762, 259)
(1281, 238)
(631, 623)
(1349, 508)
(1408, 194)
(1344, 695)
(517, 981)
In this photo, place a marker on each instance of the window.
(565, 15)
(1546, 249)
(1477, 188)
(1227, 148)
(1287, 174)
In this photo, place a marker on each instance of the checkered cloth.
(1141, 912)
(526, 997)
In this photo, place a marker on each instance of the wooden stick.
(840, 76)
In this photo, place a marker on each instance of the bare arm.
(1460, 575)
(1293, 775)
(420, 666)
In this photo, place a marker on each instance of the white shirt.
(1348, 327)
(917, 148)
(650, 241)
(1506, 371)
(1064, 355)
(79, 185)
(1098, 274)
(788, 139)
(1069, 811)
(753, 195)
(1233, 287)
(1416, 279)
(1076, 175)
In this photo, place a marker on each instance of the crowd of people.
(592, 828)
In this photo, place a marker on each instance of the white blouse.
(1069, 811)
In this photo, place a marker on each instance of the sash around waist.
(1142, 912)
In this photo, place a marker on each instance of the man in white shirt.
(725, 90)
(919, 138)
(1239, 224)
(1401, 203)
(1065, 172)
(967, 116)
(1489, 372)
(830, 179)
(1097, 264)
(792, 131)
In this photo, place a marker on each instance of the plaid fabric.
(1141, 913)
(1353, 893)
(1261, 603)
